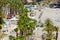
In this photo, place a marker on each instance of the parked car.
(57, 5)
(54, 5)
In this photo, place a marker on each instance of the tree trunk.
(24, 32)
(16, 34)
(11, 11)
(56, 35)
(31, 31)
(48, 39)
(21, 32)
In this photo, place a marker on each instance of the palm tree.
(49, 28)
(16, 30)
(25, 24)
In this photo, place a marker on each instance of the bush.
(0, 27)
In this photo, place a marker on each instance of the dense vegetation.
(25, 24)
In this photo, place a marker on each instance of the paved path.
(53, 14)
(5, 38)
(38, 33)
